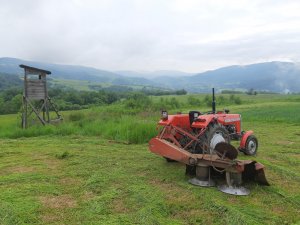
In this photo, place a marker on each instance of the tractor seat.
(193, 115)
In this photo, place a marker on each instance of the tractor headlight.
(164, 115)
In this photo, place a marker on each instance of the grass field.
(96, 168)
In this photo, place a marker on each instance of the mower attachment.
(203, 165)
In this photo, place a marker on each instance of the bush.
(238, 101)
(76, 116)
(174, 103)
(138, 100)
(207, 100)
(192, 101)
(235, 100)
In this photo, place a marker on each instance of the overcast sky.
(186, 35)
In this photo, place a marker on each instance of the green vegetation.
(95, 167)
(70, 99)
(130, 120)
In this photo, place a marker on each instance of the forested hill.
(72, 72)
(280, 77)
(9, 81)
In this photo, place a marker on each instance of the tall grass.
(126, 128)
(280, 112)
(136, 123)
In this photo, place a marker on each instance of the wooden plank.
(36, 89)
(36, 112)
(35, 97)
(35, 84)
(35, 81)
(36, 94)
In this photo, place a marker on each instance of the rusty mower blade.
(254, 171)
(225, 150)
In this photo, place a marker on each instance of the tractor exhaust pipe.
(213, 101)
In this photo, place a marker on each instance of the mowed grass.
(87, 171)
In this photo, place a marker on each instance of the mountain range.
(268, 76)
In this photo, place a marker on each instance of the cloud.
(190, 35)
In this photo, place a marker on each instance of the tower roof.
(34, 69)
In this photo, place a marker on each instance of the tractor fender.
(203, 121)
(244, 138)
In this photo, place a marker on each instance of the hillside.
(9, 81)
(270, 76)
(71, 72)
(154, 74)
(283, 77)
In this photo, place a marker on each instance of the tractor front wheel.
(251, 145)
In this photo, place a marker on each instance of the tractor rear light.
(164, 115)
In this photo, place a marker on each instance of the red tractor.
(202, 142)
(209, 128)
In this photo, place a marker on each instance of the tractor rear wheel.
(215, 134)
(251, 145)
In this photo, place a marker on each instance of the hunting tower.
(35, 97)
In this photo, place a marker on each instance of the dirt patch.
(119, 206)
(68, 181)
(50, 217)
(88, 195)
(52, 163)
(20, 169)
(58, 202)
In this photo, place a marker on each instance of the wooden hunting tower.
(35, 96)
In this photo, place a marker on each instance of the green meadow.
(95, 167)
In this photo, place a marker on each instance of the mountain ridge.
(275, 76)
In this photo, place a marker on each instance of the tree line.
(70, 99)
